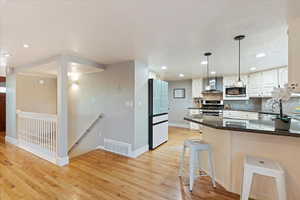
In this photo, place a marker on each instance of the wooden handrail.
(84, 133)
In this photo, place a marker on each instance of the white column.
(11, 106)
(62, 111)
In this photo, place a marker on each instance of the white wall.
(35, 97)
(141, 104)
(178, 108)
(120, 93)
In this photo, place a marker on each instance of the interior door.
(2, 112)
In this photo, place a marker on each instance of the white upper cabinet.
(269, 80)
(294, 55)
(228, 81)
(255, 85)
(282, 76)
(261, 84)
(197, 88)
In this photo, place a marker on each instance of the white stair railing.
(37, 133)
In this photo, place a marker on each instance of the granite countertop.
(261, 126)
(244, 110)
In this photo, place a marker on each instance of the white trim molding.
(62, 161)
(11, 140)
(136, 153)
(179, 125)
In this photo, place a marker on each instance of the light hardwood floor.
(102, 175)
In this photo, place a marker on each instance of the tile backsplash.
(251, 104)
(288, 107)
(263, 105)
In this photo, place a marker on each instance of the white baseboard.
(49, 156)
(179, 125)
(62, 161)
(133, 154)
(139, 151)
(11, 140)
(102, 148)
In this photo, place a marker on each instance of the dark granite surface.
(261, 126)
(259, 111)
(245, 110)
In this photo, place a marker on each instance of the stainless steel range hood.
(215, 86)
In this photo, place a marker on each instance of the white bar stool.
(196, 146)
(266, 167)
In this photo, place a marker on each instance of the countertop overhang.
(261, 126)
(242, 110)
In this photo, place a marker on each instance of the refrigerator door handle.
(160, 122)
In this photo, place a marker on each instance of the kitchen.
(226, 99)
(245, 114)
(241, 102)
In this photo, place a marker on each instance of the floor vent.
(117, 147)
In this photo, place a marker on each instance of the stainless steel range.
(212, 107)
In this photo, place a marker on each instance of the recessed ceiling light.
(204, 62)
(26, 46)
(181, 75)
(253, 68)
(260, 55)
(213, 73)
(164, 67)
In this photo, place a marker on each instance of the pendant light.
(207, 70)
(239, 82)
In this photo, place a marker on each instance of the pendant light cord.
(207, 70)
(239, 60)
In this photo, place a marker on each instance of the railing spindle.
(38, 130)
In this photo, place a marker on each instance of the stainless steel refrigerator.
(158, 112)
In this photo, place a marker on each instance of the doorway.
(2, 107)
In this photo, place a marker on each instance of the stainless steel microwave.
(235, 92)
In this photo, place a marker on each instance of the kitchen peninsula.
(233, 139)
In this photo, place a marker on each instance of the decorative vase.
(283, 124)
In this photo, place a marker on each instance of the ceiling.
(50, 69)
(172, 33)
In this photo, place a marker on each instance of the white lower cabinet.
(235, 114)
(194, 126)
